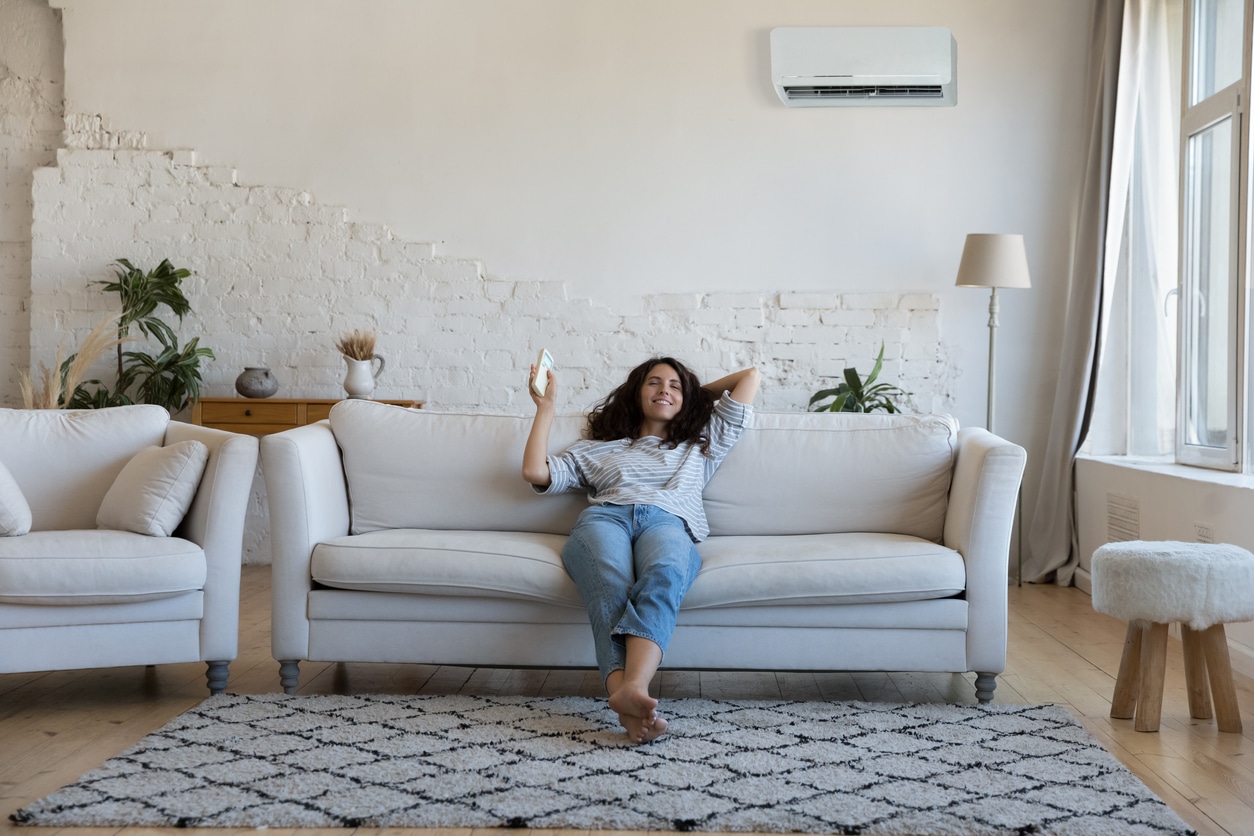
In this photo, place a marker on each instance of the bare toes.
(640, 730)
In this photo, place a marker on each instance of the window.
(1214, 210)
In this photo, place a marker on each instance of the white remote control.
(540, 383)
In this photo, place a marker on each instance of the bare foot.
(637, 711)
(633, 701)
(642, 731)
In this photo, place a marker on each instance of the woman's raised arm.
(535, 464)
(743, 385)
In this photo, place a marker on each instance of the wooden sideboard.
(262, 416)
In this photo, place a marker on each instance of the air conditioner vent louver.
(838, 91)
(869, 66)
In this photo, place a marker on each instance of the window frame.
(1230, 102)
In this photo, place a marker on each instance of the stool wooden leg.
(1219, 665)
(1123, 704)
(1195, 674)
(1149, 704)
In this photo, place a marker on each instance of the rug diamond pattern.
(727, 765)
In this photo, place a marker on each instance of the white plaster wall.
(31, 82)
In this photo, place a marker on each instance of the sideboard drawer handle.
(248, 413)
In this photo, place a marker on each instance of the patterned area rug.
(725, 765)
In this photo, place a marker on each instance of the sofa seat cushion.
(97, 567)
(497, 564)
(820, 569)
(188, 606)
(812, 569)
(354, 605)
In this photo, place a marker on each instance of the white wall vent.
(1123, 518)
(914, 66)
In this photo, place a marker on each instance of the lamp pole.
(993, 309)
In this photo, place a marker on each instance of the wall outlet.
(1203, 533)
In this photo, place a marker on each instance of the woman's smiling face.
(662, 395)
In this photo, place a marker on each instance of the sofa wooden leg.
(985, 685)
(289, 675)
(216, 674)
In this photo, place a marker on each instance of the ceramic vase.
(256, 382)
(361, 375)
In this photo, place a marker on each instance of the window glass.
(1207, 239)
(1217, 41)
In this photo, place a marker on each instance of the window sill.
(1165, 466)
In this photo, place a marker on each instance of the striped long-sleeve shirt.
(644, 472)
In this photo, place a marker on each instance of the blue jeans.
(633, 565)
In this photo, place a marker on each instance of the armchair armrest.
(308, 501)
(215, 522)
(982, 499)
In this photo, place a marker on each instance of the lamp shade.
(993, 260)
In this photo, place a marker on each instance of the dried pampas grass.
(358, 345)
(53, 391)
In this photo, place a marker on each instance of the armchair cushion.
(97, 567)
(15, 515)
(154, 489)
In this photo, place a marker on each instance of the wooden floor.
(56, 726)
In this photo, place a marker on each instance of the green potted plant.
(168, 377)
(856, 394)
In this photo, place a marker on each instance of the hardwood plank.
(837, 687)
(793, 685)
(674, 685)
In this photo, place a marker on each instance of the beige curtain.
(1050, 545)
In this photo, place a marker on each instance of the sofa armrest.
(215, 522)
(308, 501)
(982, 500)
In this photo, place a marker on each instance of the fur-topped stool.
(1150, 585)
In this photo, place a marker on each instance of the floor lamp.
(993, 261)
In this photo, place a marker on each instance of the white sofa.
(839, 543)
(84, 589)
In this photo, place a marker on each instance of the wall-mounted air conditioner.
(865, 66)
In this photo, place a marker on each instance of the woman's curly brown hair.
(619, 415)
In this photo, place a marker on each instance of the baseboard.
(1083, 580)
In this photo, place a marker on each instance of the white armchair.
(120, 540)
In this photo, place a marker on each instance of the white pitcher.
(361, 376)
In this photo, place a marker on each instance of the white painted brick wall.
(278, 276)
(30, 132)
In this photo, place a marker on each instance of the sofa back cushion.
(413, 468)
(65, 461)
(816, 473)
(792, 473)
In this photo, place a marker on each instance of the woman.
(647, 453)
